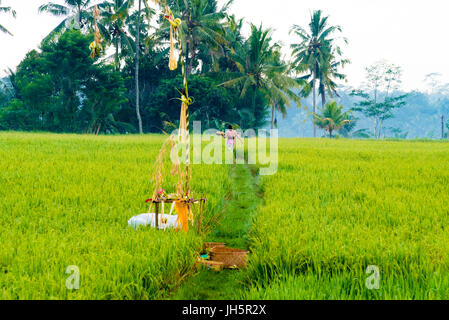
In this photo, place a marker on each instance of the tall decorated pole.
(95, 47)
(182, 200)
(186, 101)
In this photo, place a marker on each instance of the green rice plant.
(335, 207)
(65, 201)
(345, 286)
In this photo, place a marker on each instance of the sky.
(410, 33)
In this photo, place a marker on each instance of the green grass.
(232, 229)
(336, 207)
(235, 223)
(66, 199)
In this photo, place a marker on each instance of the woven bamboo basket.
(214, 265)
(231, 258)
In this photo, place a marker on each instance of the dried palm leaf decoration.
(95, 47)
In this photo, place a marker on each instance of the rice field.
(336, 207)
(65, 201)
(333, 208)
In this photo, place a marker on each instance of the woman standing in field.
(230, 134)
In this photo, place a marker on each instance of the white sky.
(410, 33)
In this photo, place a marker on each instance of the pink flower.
(161, 191)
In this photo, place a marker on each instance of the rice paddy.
(336, 207)
(65, 201)
(333, 208)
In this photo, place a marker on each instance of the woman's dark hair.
(229, 127)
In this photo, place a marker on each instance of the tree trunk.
(79, 16)
(330, 133)
(314, 105)
(253, 105)
(98, 129)
(192, 57)
(187, 58)
(272, 116)
(375, 127)
(442, 127)
(189, 69)
(139, 118)
(117, 62)
(380, 128)
(375, 107)
(323, 100)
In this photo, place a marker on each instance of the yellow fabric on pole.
(172, 62)
(182, 209)
(96, 47)
(183, 124)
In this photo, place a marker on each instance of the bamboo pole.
(156, 211)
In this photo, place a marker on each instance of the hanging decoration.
(182, 200)
(174, 25)
(95, 47)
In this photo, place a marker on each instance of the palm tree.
(115, 20)
(6, 10)
(328, 76)
(259, 68)
(281, 91)
(78, 12)
(139, 117)
(349, 126)
(138, 21)
(232, 31)
(332, 118)
(316, 57)
(201, 24)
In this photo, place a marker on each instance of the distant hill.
(420, 118)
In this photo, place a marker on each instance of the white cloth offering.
(148, 219)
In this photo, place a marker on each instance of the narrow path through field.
(232, 229)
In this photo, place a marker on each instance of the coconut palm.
(281, 87)
(6, 10)
(331, 118)
(220, 59)
(138, 21)
(118, 25)
(76, 13)
(115, 18)
(201, 25)
(139, 117)
(316, 56)
(260, 69)
(233, 32)
(328, 76)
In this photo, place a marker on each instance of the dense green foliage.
(61, 89)
(58, 87)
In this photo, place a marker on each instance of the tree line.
(238, 80)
